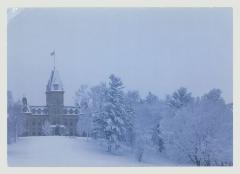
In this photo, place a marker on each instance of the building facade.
(53, 118)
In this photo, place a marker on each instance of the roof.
(43, 111)
(72, 110)
(57, 125)
(39, 110)
(54, 82)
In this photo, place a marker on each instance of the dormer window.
(55, 86)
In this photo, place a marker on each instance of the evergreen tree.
(179, 98)
(157, 138)
(98, 97)
(115, 119)
(151, 98)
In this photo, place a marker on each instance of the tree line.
(192, 130)
(186, 129)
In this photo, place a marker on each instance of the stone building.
(53, 118)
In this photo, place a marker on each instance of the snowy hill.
(66, 151)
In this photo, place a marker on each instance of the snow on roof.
(58, 125)
(39, 110)
(54, 82)
(26, 109)
(71, 110)
(43, 110)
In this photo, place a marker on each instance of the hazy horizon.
(150, 49)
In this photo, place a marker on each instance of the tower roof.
(54, 82)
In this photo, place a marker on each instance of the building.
(53, 118)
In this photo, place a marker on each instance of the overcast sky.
(150, 49)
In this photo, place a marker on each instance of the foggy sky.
(150, 49)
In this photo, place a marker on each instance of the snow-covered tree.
(157, 138)
(11, 120)
(99, 98)
(84, 101)
(133, 97)
(200, 132)
(85, 124)
(82, 98)
(146, 127)
(192, 130)
(114, 122)
(179, 98)
(46, 128)
(214, 95)
(14, 124)
(90, 101)
(151, 98)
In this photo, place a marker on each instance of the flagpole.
(54, 59)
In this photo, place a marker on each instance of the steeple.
(54, 82)
(54, 92)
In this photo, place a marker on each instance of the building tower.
(53, 118)
(55, 95)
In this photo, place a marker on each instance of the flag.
(52, 53)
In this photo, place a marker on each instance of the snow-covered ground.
(67, 151)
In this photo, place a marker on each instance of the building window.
(55, 86)
(33, 123)
(39, 111)
(45, 111)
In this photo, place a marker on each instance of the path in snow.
(66, 151)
